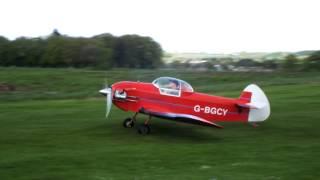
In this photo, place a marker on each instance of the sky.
(211, 26)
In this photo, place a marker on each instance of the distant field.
(52, 126)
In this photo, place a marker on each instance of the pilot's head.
(174, 84)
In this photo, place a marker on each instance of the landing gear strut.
(142, 129)
(145, 128)
(129, 122)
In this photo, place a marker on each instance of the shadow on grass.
(161, 130)
(181, 131)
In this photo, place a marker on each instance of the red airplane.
(175, 99)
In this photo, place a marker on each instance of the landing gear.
(142, 129)
(145, 128)
(128, 123)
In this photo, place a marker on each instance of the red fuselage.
(146, 96)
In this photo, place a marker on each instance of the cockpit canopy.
(172, 86)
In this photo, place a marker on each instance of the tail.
(254, 98)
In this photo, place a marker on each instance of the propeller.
(107, 91)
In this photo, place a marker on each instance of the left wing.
(180, 117)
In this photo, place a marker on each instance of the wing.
(180, 117)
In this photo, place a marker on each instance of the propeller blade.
(108, 93)
(108, 102)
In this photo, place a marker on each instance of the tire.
(144, 129)
(128, 123)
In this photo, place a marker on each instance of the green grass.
(53, 127)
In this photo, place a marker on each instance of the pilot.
(173, 85)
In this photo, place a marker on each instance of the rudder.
(258, 103)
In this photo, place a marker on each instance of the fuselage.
(140, 95)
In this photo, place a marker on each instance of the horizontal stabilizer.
(255, 105)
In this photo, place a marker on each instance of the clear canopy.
(172, 86)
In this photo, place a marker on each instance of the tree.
(4, 42)
(269, 64)
(102, 51)
(34, 51)
(137, 52)
(91, 52)
(290, 63)
(109, 42)
(55, 53)
(247, 63)
(151, 54)
(313, 61)
(55, 33)
(18, 51)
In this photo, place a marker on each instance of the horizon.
(227, 26)
(169, 52)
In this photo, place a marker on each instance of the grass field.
(52, 127)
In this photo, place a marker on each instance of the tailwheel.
(255, 125)
(128, 123)
(144, 129)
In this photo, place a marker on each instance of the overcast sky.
(214, 26)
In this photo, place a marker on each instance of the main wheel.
(128, 123)
(144, 129)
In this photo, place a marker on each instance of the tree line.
(101, 51)
(310, 63)
(289, 63)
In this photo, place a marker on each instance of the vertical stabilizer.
(259, 103)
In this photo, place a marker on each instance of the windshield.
(186, 87)
(172, 86)
(168, 83)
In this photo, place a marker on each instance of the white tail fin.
(259, 104)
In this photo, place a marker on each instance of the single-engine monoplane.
(175, 99)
